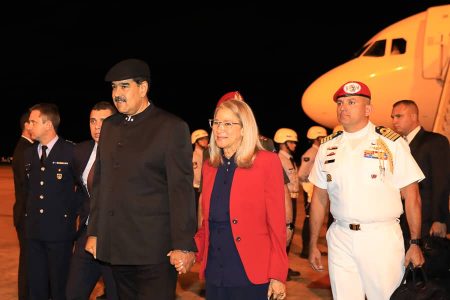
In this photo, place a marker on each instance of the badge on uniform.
(329, 178)
(59, 176)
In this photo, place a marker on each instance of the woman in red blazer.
(242, 240)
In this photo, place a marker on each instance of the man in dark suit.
(143, 203)
(51, 205)
(18, 167)
(85, 271)
(431, 151)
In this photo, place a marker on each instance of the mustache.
(120, 99)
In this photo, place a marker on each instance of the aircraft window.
(377, 49)
(360, 51)
(398, 46)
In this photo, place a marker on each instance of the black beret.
(128, 69)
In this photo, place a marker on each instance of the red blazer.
(257, 217)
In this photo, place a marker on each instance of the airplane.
(407, 60)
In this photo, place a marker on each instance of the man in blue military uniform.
(51, 205)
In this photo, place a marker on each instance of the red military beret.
(352, 88)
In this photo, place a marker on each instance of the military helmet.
(199, 133)
(315, 131)
(285, 134)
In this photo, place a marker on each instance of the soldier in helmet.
(286, 140)
(314, 135)
(200, 140)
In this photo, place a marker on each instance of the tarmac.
(310, 285)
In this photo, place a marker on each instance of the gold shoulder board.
(387, 133)
(330, 137)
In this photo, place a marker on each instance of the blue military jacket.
(52, 204)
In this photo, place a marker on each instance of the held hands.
(91, 246)
(277, 290)
(182, 260)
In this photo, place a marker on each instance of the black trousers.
(85, 271)
(143, 282)
(47, 268)
(305, 229)
(22, 283)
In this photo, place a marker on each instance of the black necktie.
(90, 178)
(44, 154)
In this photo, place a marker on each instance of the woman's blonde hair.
(250, 144)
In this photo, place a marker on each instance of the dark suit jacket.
(431, 151)
(143, 203)
(82, 152)
(18, 167)
(51, 201)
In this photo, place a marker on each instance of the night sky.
(269, 52)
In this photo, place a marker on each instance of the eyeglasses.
(227, 125)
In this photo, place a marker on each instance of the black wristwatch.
(290, 226)
(417, 242)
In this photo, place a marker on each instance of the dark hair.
(104, 105)
(409, 103)
(24, 118)
(50, 111)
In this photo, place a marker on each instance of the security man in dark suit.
(51, 205)
(431, 151)
(18, 167)
(143, 203)
(85, 271)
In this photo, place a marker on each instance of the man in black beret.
(142, 204)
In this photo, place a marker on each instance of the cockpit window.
(398, 46)
(377, 49)
(360, 51)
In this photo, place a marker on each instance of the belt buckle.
(354, 226)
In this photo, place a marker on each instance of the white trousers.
(368, 262)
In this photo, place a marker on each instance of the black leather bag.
(437, 257)
(416, 286)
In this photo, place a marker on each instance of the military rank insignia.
(330, 137)
(387, 133)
